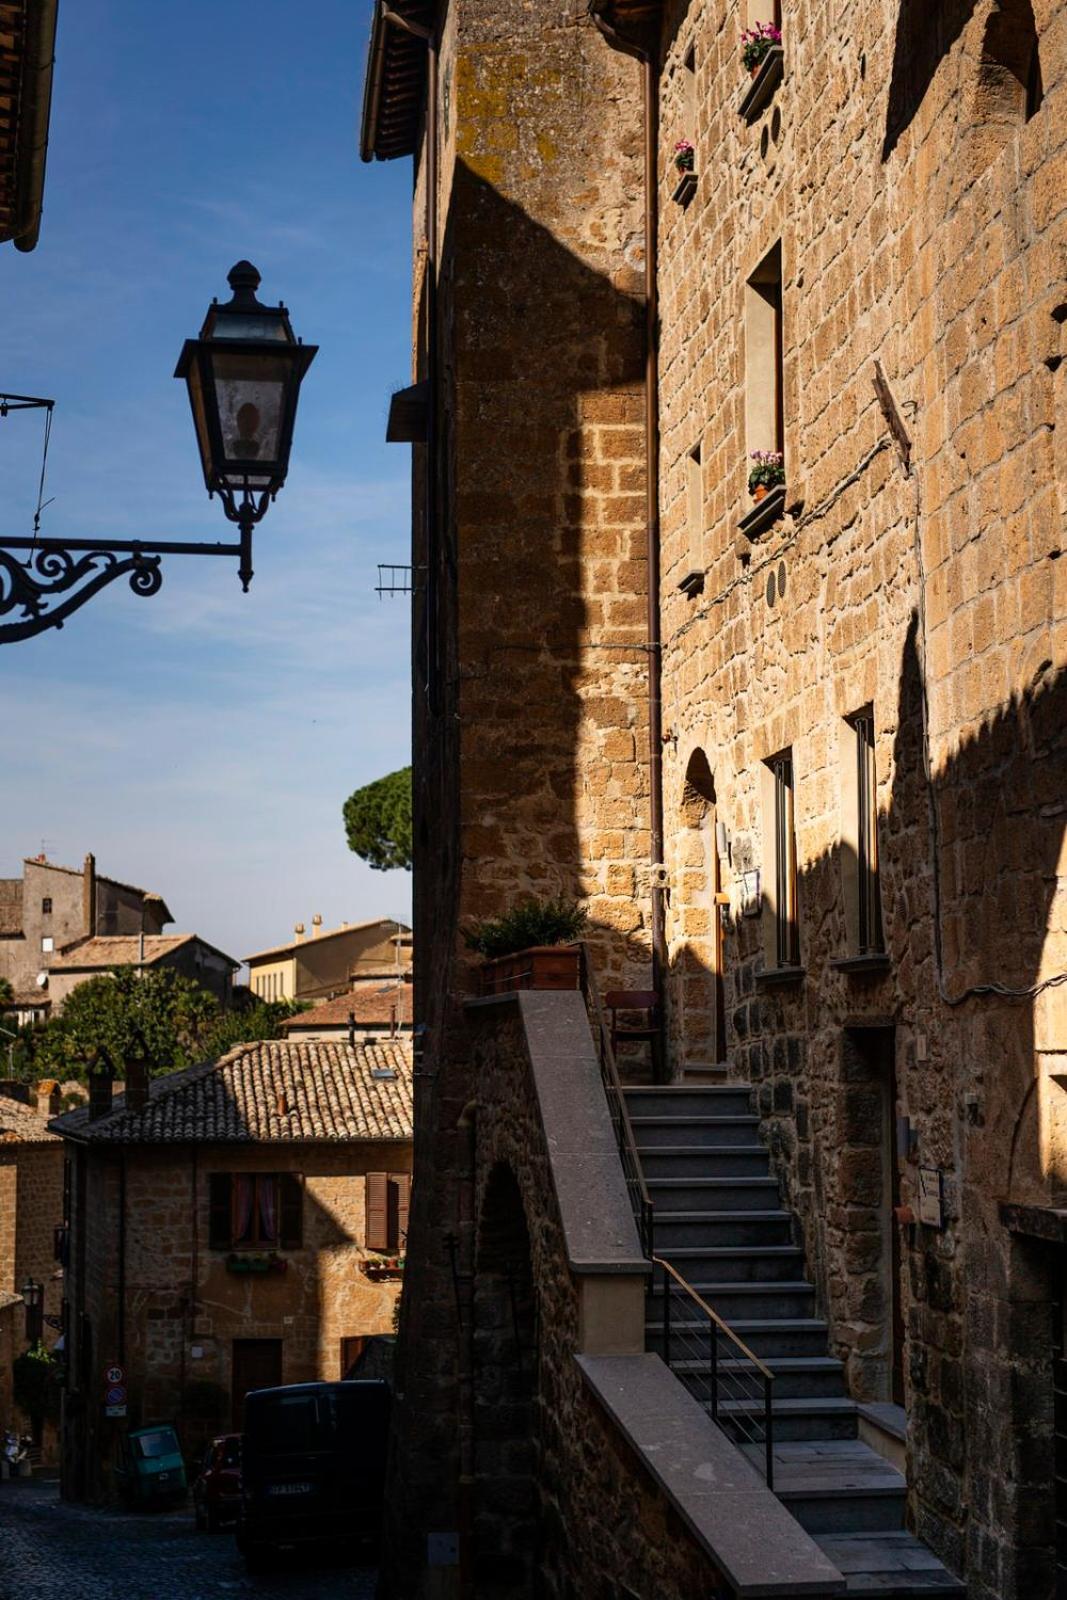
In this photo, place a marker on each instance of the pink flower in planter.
(684, 155)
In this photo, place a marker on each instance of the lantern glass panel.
(250, 396)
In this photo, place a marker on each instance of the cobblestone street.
(52, 1551)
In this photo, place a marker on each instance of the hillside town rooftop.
(267, 1092)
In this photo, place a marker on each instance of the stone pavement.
(53, 1551)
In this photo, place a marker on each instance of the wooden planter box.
(377, 1270)
(542, 966)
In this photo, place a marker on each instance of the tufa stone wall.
(910, 168)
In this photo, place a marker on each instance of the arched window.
(1009, 88)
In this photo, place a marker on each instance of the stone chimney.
(89, 896)
(316, 925)
(298, 932)
(99, 1094)
(49, 1099)
(136, 1083)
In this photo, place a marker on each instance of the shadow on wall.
(823, 1060)
(542, 367)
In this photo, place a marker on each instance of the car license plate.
(289, 1488)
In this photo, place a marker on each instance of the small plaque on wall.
(750, 894)
(930, 1206)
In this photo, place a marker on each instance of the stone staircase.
(720, 1223)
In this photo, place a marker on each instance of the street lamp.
(32, 1293)
(243, 375)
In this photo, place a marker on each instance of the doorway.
(257, 1364)
(699, 955)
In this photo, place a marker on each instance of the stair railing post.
(666, 1317)
(768, 1432)
(713, 1331)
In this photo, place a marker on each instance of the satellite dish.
(42, 980)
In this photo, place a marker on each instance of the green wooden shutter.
(377, 1211)
(220, 1231)
(290, 1210)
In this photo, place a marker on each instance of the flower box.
(765, 80)
(251, 1264)
(542, 966)
(378, 1267)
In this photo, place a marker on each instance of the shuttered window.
(388, 1199)
(291, 1210)
(220, 1235)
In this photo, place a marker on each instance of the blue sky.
(201, 742)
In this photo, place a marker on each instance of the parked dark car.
(312, 1467)
(217, 1489)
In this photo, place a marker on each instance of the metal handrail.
(720, 1378)
(637, 1189)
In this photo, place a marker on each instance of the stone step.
(773, 1263)
(836, 1486)
(676, 1229)
(706, 1161)
(735, 1301)
(654, 1132)
(888, 1566)
(715, 1194)
(672, 1100)
(803, 1417)
(795, 1377)
(712, 1194)
(766, 1337)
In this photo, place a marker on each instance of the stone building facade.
(238, 1225)
(31, 1209)
(862, 677)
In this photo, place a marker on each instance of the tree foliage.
(34, 1385)
(160, 1015)
(378, 821)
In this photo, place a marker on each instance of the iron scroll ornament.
(54, 583)
(70, 572)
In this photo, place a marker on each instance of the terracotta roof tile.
(308, 941)
(370, 1005)
(20, 1124)
(267, 1092)
(124, 950)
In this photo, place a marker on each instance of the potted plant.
(756, 44)
(768, 473)
(531, 947)
(684, 156)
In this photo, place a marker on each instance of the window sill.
(692, 585)
(760, 91)
(779, 977)
(764, 514)
(685, 189)
(875, 962)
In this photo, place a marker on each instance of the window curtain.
(268, 1210)
(243, 1201)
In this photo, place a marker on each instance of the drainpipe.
(120, 1331)
(429, 39)
(650, 112)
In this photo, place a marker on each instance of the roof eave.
(34, 116)
(395, 57)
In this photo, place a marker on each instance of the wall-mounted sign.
(750, 893)
(930, 1208)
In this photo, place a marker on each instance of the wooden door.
(257, 1364)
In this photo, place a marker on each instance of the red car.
(217, 1490)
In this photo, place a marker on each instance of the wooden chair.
(632, 1003)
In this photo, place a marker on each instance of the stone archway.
(698, 1012)
(506, 1389)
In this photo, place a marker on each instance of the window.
(255, 1210)
(689, 94)
(388, 1198)
(786, 947)
(764, 420)
(861, 797)
(46, 906)
(48, 944)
